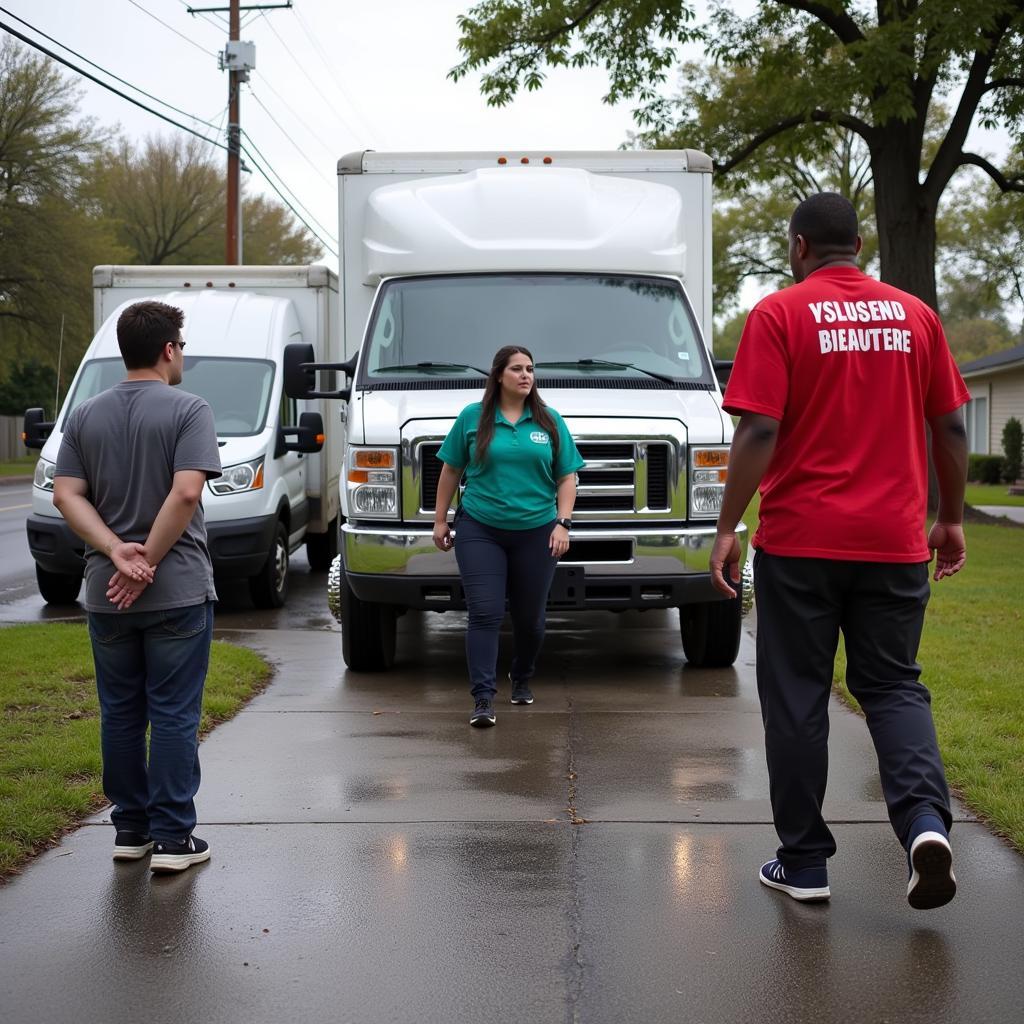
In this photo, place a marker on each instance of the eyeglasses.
(180, 344)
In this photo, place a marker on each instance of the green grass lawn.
(991, 494)
(25, 466)
(49, 729)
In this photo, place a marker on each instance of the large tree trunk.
(905, 217)
(906, 236)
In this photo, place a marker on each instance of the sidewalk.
(376, 860)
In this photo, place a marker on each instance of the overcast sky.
(331, 76)
(335, 76)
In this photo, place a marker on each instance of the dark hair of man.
(143, 330)
(828, 223)
(492, 394)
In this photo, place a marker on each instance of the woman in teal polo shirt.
(513, 522)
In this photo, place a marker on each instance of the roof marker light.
(525, 160)
(502, 160)
(547, 159)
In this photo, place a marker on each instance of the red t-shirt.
(851, 368)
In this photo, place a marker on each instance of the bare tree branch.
(855, 124)
(846, 29)
(1013, 183)
(1003, 83)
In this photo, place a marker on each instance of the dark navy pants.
(496, 563)
(150, 670)
(802, 605)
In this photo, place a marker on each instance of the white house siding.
(1007, 399)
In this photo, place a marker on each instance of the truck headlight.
(709, 468)
(43, 477)
(372, 482)
(244, 476)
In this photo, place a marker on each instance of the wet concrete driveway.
(592, 859)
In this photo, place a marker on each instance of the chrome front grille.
(621, 479)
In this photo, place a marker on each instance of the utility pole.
(238, 59)
(233, 239)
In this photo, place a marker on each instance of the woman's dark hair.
(492, 392)
(144, 329)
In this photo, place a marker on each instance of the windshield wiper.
(615, 366)
(403, 367)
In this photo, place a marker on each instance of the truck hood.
(385, 415)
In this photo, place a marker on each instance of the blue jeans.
(493, 563)
(150, 670)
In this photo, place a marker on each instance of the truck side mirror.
(300, 373)
(36, 430)
(723, 367)
(309, 434)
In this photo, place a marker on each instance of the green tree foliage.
(167, 199)
(49, 239)
(800, 69)
(1012, 444)
(28, 384)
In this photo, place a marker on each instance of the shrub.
(985, 469)
(1012, 444)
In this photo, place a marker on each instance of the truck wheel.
(269, 587)
(59, 587)
(367, 632)
(322, 547)
(711, 632)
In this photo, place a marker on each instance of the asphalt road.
(591, 860)
(20, 600)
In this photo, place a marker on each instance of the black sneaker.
(483, 714)
(171, 856)
(932, 882)
(520, 692)
(131, 845)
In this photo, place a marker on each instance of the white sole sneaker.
(132, 852)
(932, 882)
(165, 863)
(804, 894)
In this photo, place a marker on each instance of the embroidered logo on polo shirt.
(539, 437)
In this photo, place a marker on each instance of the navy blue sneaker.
(807, 885)
(932, 882)
(131, 845)
(483, 714)
(520, 691)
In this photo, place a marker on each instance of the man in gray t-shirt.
(130, 474)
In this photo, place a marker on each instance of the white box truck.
(600, 264)
(281, 465)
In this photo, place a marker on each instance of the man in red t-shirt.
(834, 381)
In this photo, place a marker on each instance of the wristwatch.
(567, 523)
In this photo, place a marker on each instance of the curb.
(7, 481)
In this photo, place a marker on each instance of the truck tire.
(269, 587)
(322, 547)
(367, 632)
(59, 587)
(711, 632)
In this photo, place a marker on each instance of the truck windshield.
(576, 326)
(238, 390)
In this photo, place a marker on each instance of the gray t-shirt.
(127, 443)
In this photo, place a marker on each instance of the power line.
(163, 117)
(107, 85)
(317, 46)
(284, 185)
(329, 248)
(209, 53)
(298, 117)
(323, 96)
(109, 74)
(298, 148)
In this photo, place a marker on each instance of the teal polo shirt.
(515, 488)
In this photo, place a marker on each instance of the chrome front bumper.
(404, 562)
